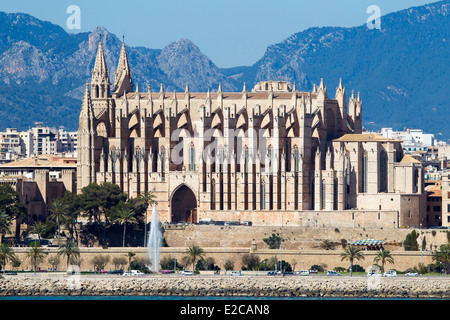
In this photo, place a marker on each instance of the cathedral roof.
(214, 95)
(364, 137)
(409, 159)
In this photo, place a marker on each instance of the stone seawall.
(256, 286)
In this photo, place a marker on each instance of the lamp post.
(225, 258)
(175, 252)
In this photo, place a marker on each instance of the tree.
(72, 202)
(5, 222)
(69, 249)
(126, 215)
(251, 261)
(169, 263)
(58, 214)
(10, 203)
(383, 256)
(100, 262)
(97, 200)
(54, 261)
(38, 228)
(148, 199)
(410, 242)
(229, 265)
(119, 262)
(443, 256)
(351, 253)
(130, 256)
(36, 254)
(193, 253)
(6, 254)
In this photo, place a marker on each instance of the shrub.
(319, 268)
(229, 265)
(100, 262)
(410, 242)
(168, 262)
(250, 262)
(357, 268)
(274, 241)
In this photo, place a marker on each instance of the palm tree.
(351, 253)
(36, 254)
(38, 228)
(148, 199)
(58, 214)
(69, 249)
(443, 256)
(126, 215)
(5, 222)
(193, 253)
(130, 256)
(6, 254)
(383, 256)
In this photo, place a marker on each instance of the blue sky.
(230, 32)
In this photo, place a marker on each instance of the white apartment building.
(39, 140)
(413, 139)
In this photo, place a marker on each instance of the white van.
(133, 273)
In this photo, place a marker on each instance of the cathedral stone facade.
(270, 155)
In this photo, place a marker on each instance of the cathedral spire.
(100, 75)
(86, 106)
(100, 67)
(123, 80)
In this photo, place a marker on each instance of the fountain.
(154, 241)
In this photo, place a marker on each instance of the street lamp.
(225, 258)
(175, 252)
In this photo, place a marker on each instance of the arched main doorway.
(184, 205)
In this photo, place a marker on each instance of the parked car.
(116, 272)
(187, 273)
(303, 273)
(273, 273)
(236, 273)
(373, 274)
(411, 274)
(390, 273)
(333, 273)
(133, 273)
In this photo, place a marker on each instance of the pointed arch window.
(263, 195)
(246, 159)
(163, 161)
(296, 159)
(270, 158)
(213, 194)
(191, 157)
(416, 181)
(365, 163)
(383, 171)
(323, 194)
(348, 171)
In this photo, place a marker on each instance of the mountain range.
(400, 70)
